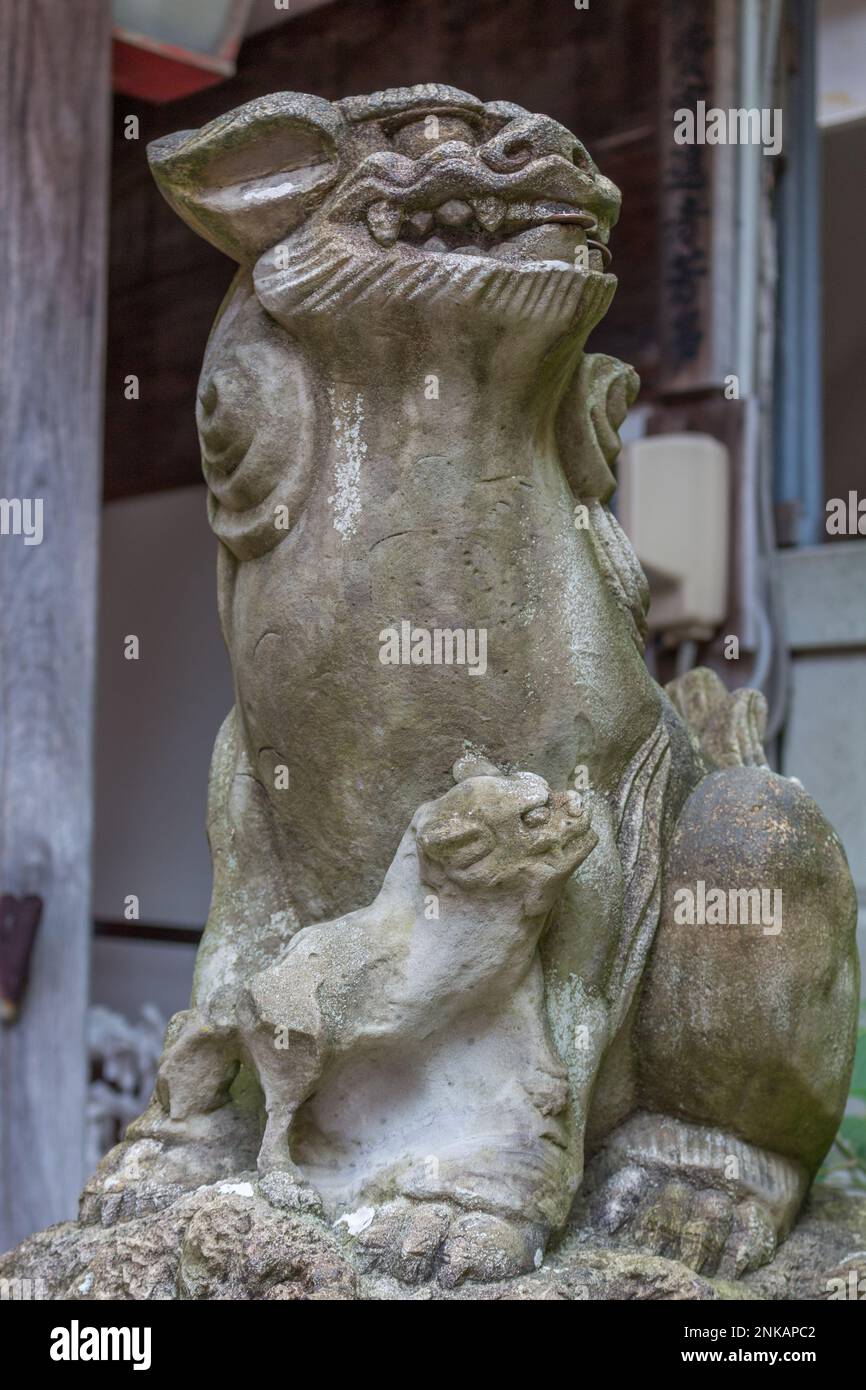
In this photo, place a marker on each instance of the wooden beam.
(54, 99)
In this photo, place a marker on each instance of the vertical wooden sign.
(698, 199)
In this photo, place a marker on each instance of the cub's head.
(505, 835)
(421, 194)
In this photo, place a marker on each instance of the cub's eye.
(535, 816)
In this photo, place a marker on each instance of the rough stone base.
(227, 1241)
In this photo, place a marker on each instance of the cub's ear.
(453, 843)
(474, 765)
(249, 177)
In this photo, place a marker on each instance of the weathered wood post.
(53, 195)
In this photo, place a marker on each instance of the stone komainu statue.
(398, 419)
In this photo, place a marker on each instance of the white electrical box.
(673, 504)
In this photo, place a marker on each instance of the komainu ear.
(587, 425)
(251, 176)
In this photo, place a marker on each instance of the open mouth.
(517, 233)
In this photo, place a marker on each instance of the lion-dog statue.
(402, 433)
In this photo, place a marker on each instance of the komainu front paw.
(695, 1194)
(705, 1228)
(486, 1248)
(401, 1238)
(417, 1241)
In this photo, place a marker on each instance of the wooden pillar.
(55, 105)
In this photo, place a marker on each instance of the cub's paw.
(290, 1190)
(706, 1228)
(198, 1065)
(548, 1090)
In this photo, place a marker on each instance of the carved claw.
(711, 1231)
(403, 1239)
(413, 1241)
(484, 1247)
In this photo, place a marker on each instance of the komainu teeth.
(435, 243)
(518, 214)
(490, 212)
(454, 213)
(384, 223)
(420, 222)
(470, 250)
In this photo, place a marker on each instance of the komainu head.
(416, 193)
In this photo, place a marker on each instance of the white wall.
(841, 61)
(822, 590)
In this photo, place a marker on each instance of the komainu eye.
(535, 816)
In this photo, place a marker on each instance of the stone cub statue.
(403, 1048)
